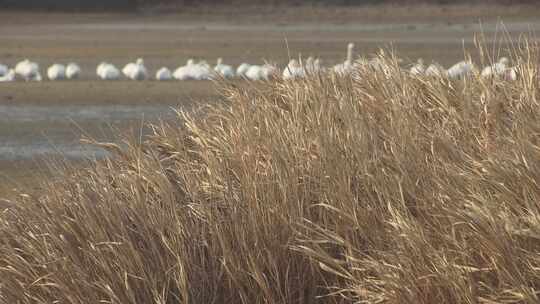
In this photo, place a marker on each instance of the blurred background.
(45, 120)
(134, 4)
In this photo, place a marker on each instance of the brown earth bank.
(107, 92)
(127, 5)
(246, 14)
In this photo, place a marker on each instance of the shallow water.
(34, 131)
(94, 113)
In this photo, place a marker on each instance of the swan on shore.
(497, 69)
(293, 70)
(225, 71)
(126, 70)
(242, 69)
(511, 74)
(135, 71)
(164, 74)
(107, 71)
(185, 72)
(56, 72)
(73, 71)
(435, 70)
(418, 68)
(194, 71)
(461, 70)
(28, 70)
(313, 65)
(266, 71)
(3, 70)
(269, 71)
(8, 77)
(202, 71)
(254, 73)
(100, 68)
(346, 67)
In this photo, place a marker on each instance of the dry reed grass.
(376, 188)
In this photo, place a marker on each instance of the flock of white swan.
(29, 71)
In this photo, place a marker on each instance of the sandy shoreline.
(107, 92)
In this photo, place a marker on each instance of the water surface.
(34, 131)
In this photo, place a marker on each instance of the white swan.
(346, 67)
(202, 71)
(28, 70)
(21, 66)
(194, 71)
(435, 70)
(56, 72)
(73, 71)
(418, 68)
(135, 71)
(164, 74)
(254, 73)
(225, 71)
(140, 72)
(185, 72)
(126, 70)
(269, 71)
(293, 70)
(266, 71)
(100, 68)
(8, 77)
(511, 74)
(313, 66)
(242, 69)
(3, 70)
(497, 69)
(107, 71)
(461, 70)
(378, 64)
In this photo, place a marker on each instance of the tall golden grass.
(379, 187)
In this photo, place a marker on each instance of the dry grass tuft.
(376, 188)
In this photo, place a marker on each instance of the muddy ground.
(169, 36)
